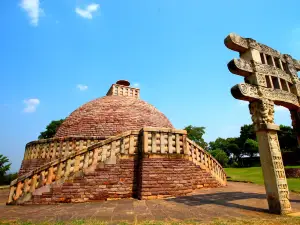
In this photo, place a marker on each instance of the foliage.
(234, 149)
(196, 135)
(51, 129)
(247, 132)
(8, 178)
(287, 138)
(228, 145)
(220, 156)
(219, 143)
(4, 165)
(246, 144)
(250, 147)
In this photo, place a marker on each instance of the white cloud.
(32, 7)
(88, 11)
(136, 84)
(31, 105)
(82, 87)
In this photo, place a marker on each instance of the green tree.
(235, 150)
(287, 138)
(250, 147)
(228, 145)
(196, 135)
(247, 132)
(8, 178)
(4, 165)
(51, 129)
(219, 143)
(220, 156)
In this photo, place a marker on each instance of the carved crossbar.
(271, 75)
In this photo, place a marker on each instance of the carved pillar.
(295, 116)
(262, 112)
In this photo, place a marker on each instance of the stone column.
(262, 112)
(295, 116)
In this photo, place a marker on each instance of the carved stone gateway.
(270, 78)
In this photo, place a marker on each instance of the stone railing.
(104, 151)
(163, 141)
(202, 158)
(147, 141)
(54, 148)
(171, 141)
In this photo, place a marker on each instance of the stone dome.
(111, 115)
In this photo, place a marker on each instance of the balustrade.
(153, 141)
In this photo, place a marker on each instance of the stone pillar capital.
(262, 115)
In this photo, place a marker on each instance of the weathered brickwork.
(111, 115)
(165, 177)
(31, 164)
(148, 178)
(109, 182)
(292, 172)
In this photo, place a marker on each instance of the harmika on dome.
(117, 146)
(121, 110)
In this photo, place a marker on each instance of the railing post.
(26, 186)
(41, 179)
(153, 147)
(76, 163)
(18, 190)
(131, 144)
(33, 183)
(68, 167)
(145, 141)
(11, 194)
(50, 175)
(86, 160)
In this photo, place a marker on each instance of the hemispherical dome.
(111, 115)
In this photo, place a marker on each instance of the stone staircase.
(146, 164)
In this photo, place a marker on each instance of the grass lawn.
(254, 175)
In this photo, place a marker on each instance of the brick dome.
(111, 115)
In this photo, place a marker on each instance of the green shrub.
(220, 156)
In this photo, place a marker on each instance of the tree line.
(234, 151)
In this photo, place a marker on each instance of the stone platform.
(237, 200)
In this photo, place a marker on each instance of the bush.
(7, 178)
(234, 164)
(220, 156)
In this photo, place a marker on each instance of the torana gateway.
(270, 78)
(114, 147)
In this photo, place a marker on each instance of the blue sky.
(56, 55)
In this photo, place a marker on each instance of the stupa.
(117, 146)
